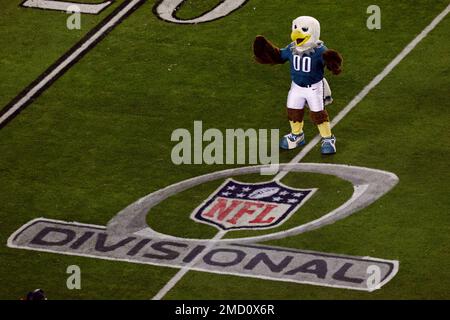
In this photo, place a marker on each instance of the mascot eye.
(295, 26)
(305, 29)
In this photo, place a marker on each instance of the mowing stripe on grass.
(56, 70)
(360, 96)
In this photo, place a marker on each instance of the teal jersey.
(306, 69)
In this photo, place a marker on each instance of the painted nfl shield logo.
(238, 205)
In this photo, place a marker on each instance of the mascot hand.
(333, 61)
(265, 52)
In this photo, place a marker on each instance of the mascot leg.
(321, 120)
(296, 138)
(295, 117)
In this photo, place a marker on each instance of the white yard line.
(67, 61)
(364, 92)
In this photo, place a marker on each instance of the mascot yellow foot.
(308, 56)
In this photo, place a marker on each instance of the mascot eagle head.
(305, 33)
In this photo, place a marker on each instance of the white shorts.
(298, 96)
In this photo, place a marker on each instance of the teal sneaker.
(328, 145)
(292, 141)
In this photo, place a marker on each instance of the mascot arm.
(265, 52)
(333, 61)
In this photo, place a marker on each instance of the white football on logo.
(263, 192)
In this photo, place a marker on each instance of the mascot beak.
(299, 38)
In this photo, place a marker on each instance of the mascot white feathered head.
(305, 33)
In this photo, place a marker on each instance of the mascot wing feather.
(265, 52)
(333, 61)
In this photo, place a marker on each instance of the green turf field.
(99, 138)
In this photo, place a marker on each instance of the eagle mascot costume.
(308, 56)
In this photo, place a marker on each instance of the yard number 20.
(303, 63)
